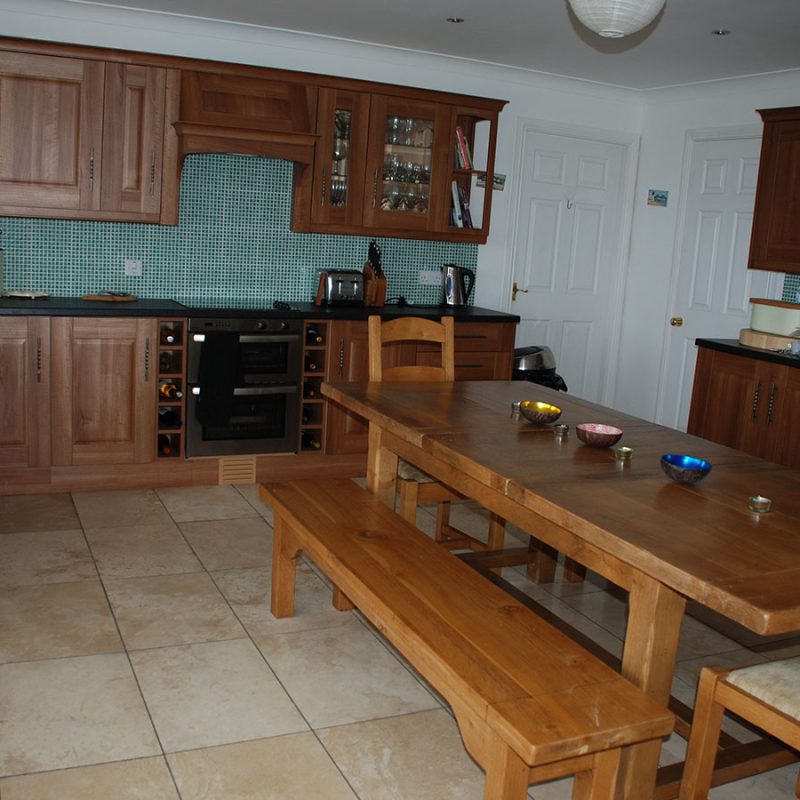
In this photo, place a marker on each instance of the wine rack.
(312, 410)
(171, 383)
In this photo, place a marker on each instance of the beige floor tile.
(248, 592)
(170, 610)
(294, 767)
(778, 784)
(141, 550)
(35, 512)
(120, 509)
(361, 679)
(250, 492)
(689, 670)
(698, 639)
(192, 503)
(414, 756)
(230, 543)
(143, 779)
(552, 790)
(54, 620)
(609, 611)
(216, 693)
(69, 712)
(45, 557)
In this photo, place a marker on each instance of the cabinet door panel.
(788, 427)
(133, 138)
(50, 131)
(24, 392)
(104, 396)
(348, 360)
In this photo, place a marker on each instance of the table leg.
(381, 467)
(655, 613)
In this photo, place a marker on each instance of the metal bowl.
(536, 411)
(596, 435)
(684, 469)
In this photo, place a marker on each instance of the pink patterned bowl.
(596, 435)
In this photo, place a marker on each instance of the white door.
(712, 286)
(567, 254)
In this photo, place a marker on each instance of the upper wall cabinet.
(403, 166)
(775, 240)
(85, 139)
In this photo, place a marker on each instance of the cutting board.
(766, 341)
(110, 298)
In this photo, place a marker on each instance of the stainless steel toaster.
(343, 287)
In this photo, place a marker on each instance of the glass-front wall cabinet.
(403, 165)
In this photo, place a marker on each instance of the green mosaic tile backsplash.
(233, 245)
(791, 289)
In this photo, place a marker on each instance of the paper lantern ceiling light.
(616, 18)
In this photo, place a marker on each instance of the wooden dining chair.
(767, 695)
(415, 487)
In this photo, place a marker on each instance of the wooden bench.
(531, 704)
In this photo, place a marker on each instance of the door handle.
(676, 322)
(515, 289)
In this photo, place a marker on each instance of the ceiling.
(543, 35)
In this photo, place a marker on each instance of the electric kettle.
(454, 290)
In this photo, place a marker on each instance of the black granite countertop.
(74, 306)
(733, 347)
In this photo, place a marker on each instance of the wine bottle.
(309, 390)
(169, 391)
(309, 442)
(313, 336)
(311, 365)
(164, 445)
(168, 336)
(168, 418)
(165, 362)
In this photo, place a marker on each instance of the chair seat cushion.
(408, 472)
(776, 684)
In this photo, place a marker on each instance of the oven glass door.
(257, 419)
(247, 359)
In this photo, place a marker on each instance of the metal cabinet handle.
(152, 172)
(341, 357)
(771, 404)
(147, 359)
(756, 394)
(38, 359)
(324, 186)
(375, 188)
(91, 169)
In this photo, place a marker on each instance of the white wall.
(668, 116)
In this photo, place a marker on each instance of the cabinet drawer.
(479, 336)
(473, 366)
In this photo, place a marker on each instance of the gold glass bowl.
(597, 435)
(536, 411)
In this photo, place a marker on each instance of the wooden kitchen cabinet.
(386, 164)
(24, 392)
(103, 378)
(748, 404)
(775, 237)
(87, 139)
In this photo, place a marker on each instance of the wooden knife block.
(374, 288)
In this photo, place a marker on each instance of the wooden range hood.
(221, 113)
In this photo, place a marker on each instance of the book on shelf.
(465, 212)
(458, 219)
(463, 156)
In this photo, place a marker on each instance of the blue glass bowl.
(684, 469)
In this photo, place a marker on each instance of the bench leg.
(285, 552)
(340, 601)
(600, 782)
(506, 773)
(573, 571)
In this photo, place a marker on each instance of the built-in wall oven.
(243, 382)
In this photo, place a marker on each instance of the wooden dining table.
(664, 543)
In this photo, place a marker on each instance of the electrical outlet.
(133, 268)
(430, 277)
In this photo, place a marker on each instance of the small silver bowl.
(684, 469)
(561, 429)
(623, 453)
(536, 411)
(759, 504)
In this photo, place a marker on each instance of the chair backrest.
(411, 329)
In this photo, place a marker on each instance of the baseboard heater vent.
(237, 470)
